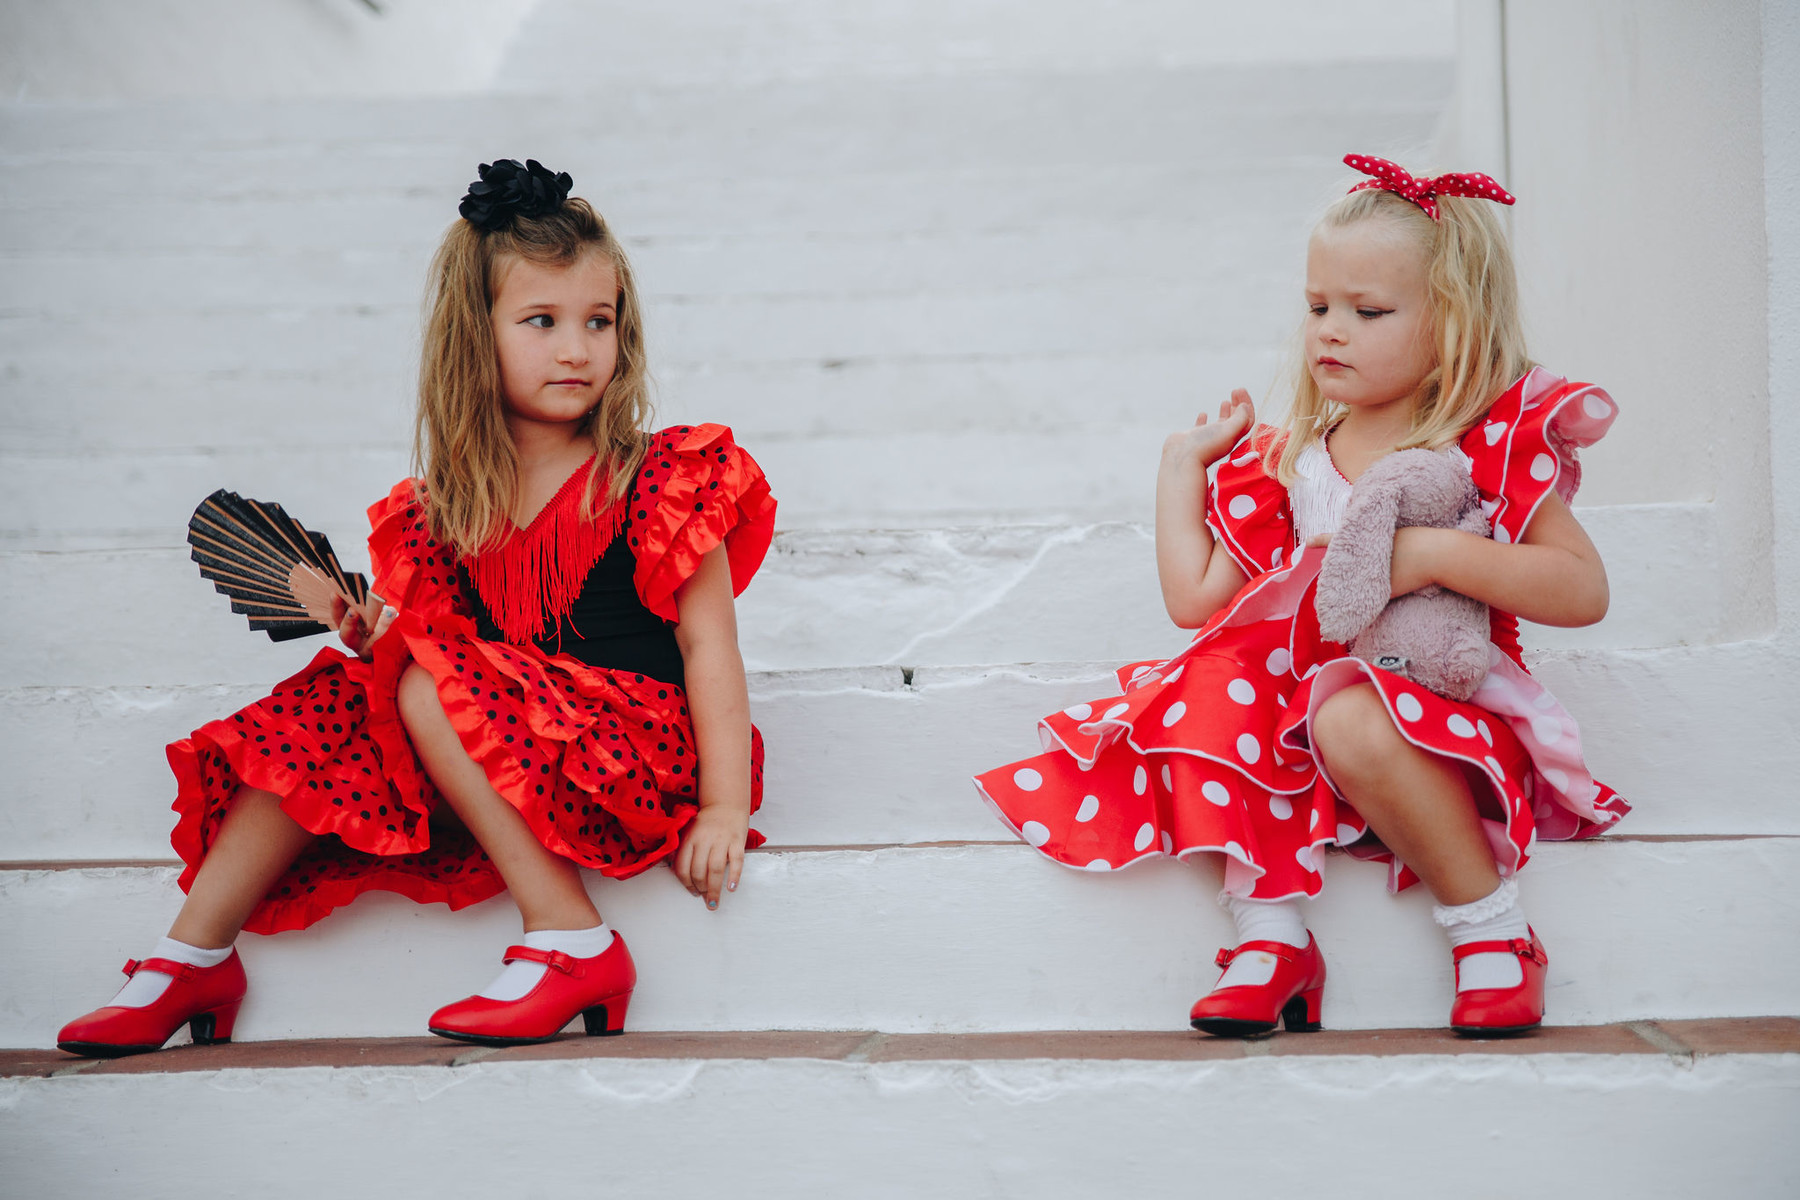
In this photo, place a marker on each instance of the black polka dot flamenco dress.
(567, 692)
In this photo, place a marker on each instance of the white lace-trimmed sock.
(147, 987)
(1261, 921)
(516, 979)
(1493, 918)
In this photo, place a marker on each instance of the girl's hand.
(711, 857)
(354, 624)
(1204, 443)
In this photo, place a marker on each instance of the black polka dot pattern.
(600, 763)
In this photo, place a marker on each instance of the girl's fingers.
(684, 858)
(715, 875)
(734, 868)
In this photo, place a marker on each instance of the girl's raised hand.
(711, 857)
(354, 624)
(1205, 442)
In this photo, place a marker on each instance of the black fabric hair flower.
(507, 190)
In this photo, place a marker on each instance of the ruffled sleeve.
(412, 571)
(696, 489)
(1247, 509)
(1526, 446)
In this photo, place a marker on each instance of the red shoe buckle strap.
(1526, 948)
(554, 959)
(1284, 952)
(183, 972)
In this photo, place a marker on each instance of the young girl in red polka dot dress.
(1265, 744)
(556, 659)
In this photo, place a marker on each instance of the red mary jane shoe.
(1291, 995)
(1496, 1012)
(206, 999)
(599, 988)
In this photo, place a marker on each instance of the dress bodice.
(1320, 493)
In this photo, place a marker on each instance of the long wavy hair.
(1473, 297)
(462, 451)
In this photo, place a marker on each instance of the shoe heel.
(1301, 1014)
(214, 1028)
(607, 1017)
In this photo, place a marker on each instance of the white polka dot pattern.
(1391, 177)
(1205, 753)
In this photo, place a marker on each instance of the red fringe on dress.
(531, 579)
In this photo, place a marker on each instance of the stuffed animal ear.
(1355, 581)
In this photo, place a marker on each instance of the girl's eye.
(1369, 314)
(542, 321)
(600, 322)
(1317, 310)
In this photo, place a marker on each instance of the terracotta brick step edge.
(1681, 1040)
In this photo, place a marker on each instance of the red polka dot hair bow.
(1391, 177)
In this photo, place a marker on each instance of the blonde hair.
(462, 452)
(1473, 299)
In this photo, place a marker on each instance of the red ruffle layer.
(600, 763)
(1209, 750)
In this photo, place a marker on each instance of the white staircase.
(952, 307)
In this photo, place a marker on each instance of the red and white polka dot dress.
(1209, 751)
(600, 763)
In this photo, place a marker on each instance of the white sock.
(147, 987)
(517, 978)
(1261, 921)
(1493, 918)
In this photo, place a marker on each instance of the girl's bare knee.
(417, 696)
(1352, 731)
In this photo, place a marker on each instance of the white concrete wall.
(1781, 214)
(99, 50)
(1637, 150)
(756, 41)
(91, 50)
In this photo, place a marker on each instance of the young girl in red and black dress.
(1265, 744)
(547, 679)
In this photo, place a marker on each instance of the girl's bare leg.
(256, 844)
(1419, 804)
(546, 886)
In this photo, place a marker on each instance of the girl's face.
(556, 331)
(1368, 328)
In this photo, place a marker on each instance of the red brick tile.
(1736, 1035)
(309, 1052)
(773, 1043)
(35, 1062)
(1743, 1035)
(1551, 1039)
(1150, 1045)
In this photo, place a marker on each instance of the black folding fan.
(278, 573)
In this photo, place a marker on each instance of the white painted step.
(824, 598)
(860, 756)
(923, 301)
(819, 39)
(954, 938)
(772, 1129)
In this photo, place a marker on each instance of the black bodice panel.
(608, 625)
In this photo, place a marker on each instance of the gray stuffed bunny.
(1434, 637)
